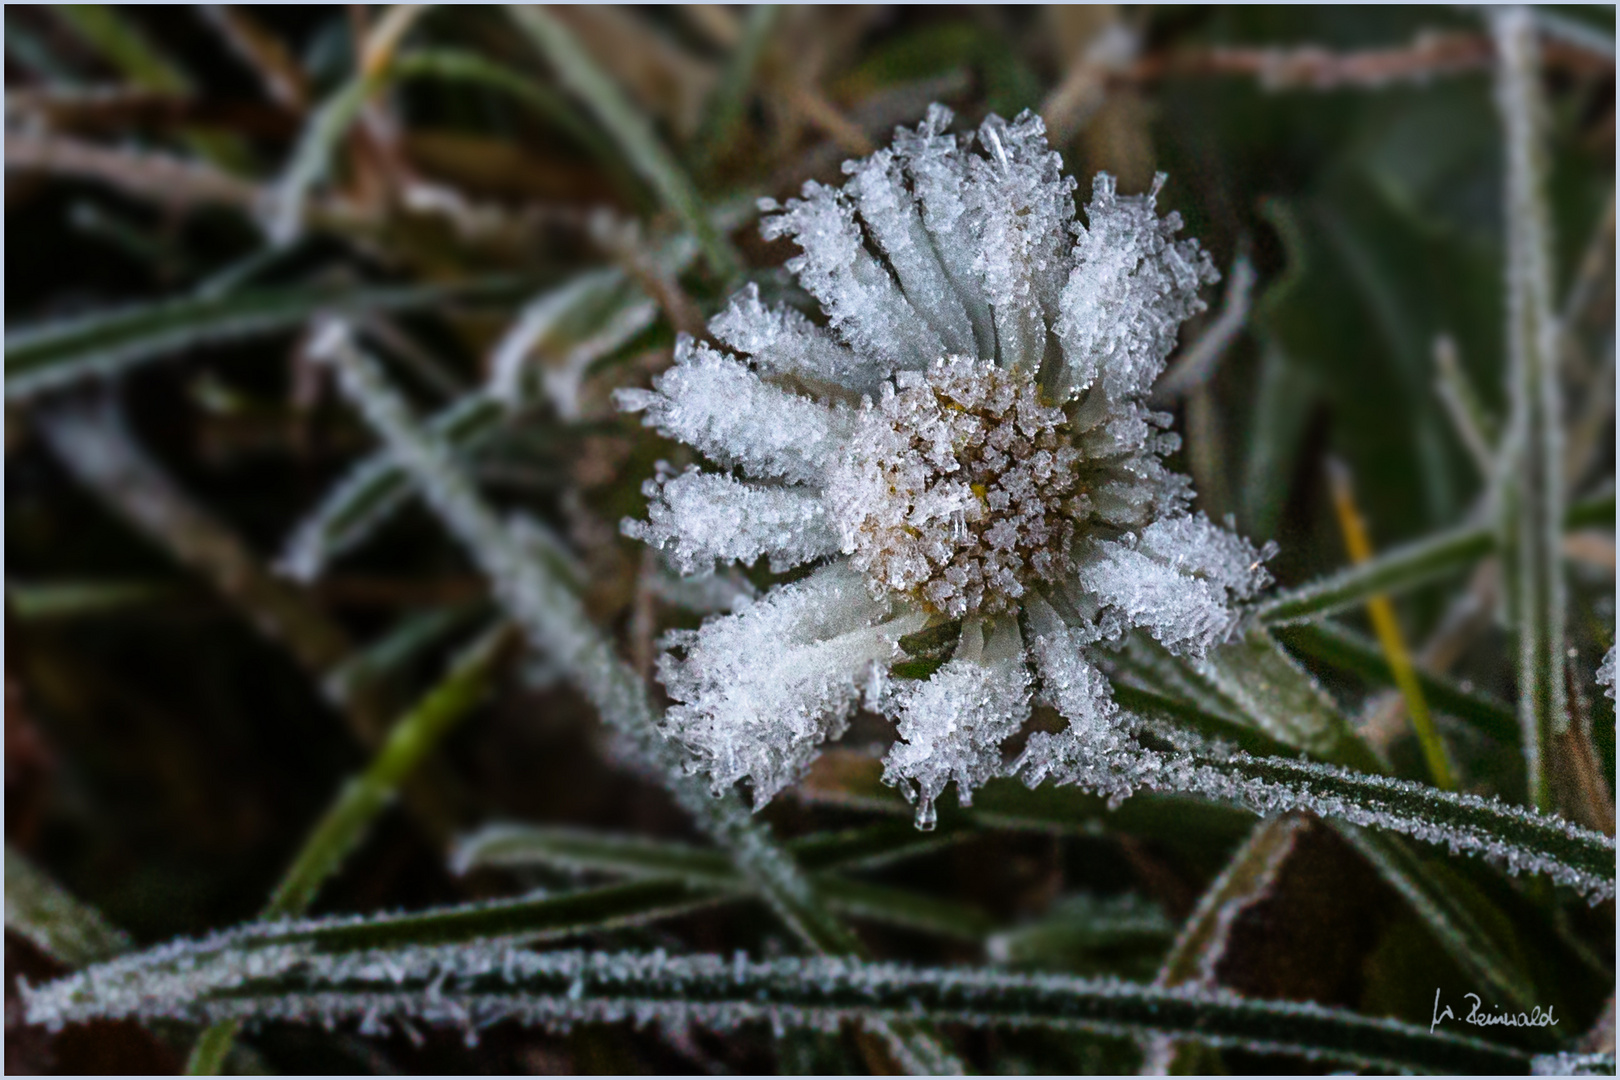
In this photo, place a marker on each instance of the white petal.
(953, 725)
(1069, 681)
(1129, 292)
(1025, 207)
(890, 213)
(1178, 581)
(758, 692)
(712, 402)
(937, 165)
(782, 341)
(703, 517)
(863, 303)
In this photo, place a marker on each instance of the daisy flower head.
(962, 452)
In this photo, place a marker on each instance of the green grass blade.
(312, 158)
(473, 986)
(576, 849)
(50, 355)
(373, 490)
(579, 74)
(1333, 644)
(1265, 685)
(730, 95)
(365, 796)
(458, 65)
(416, 735)
(1532, 482)
(58, 923)
(1524, 841)
(1408, 566)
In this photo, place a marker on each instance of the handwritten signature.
(1536, 1017)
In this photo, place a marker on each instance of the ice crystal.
(1605, 674)
(965, 449)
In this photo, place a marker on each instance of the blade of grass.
(580, 75)
(555, 620)
(1532, 485)
(1390, 638)
(346, 821)
(472, 986)
(42, 912)
(575, 849)
(1410, 565)
(457, 65)
(730, 95)
(371, 491)
(1331, 643)
(1523, 841)
(1194, 956)
(46, 356)
(109, 32)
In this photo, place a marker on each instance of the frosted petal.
(952, 726)
(1025, 207)
(782, 341)
(714, 403)
(891, 215)
(936, 162)
(1178, 580)
(1605, 674)
(862, 302)
(702, 517)
(1129, 292)
(757, 692)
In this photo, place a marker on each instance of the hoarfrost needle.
(965, 451)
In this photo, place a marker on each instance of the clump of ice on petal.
(951, 727)
(758, 692)
(714, 403)
(1131, 288)
(1178, 580)
(700, 518)
(1605, 674)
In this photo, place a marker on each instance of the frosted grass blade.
(473, 987)
(45, 356)
(1408, 566)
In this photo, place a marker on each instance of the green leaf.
(1408, 566)
(233, 978)
(50, 355)
(1271, 690)
(1334, 644)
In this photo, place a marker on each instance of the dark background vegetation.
(165, 760)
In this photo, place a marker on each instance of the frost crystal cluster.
(965, 450)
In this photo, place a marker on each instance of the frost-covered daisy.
(964, 452)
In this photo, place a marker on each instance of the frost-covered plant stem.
(557, 625)
(1532, 482)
